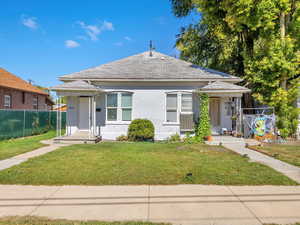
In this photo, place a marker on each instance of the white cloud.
(82, 37)
(128, 38)
(71, 44)
(119, 44)
(107, 26)
(29, 22)
(93, 31)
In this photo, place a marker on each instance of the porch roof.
(220, 87)
(78, 85)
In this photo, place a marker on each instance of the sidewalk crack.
(148, 205)
(243, 203)
(47, 198)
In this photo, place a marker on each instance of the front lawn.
(29, 220)
(119, 163)
(13, 147)
(289, 153)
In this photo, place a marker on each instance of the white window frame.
(119, 107)
(7, 101)
(166, 109)
(179, 106)
(122, 107)
(186, 112)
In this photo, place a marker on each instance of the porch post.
(239, 115)
(94, 116)
(57, 134)
(89, 116)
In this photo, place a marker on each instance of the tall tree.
(258, 40)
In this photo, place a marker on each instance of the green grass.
(13, 147)
(289, 153)
(110, 163)
(29, 220)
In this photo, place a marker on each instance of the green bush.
(174, 138)
(122, 138)
(141, 130)
(189, 139)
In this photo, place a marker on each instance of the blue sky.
(41, 40)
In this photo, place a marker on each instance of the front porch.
(225, 107)
(81, 113)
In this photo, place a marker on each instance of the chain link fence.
(22, 123)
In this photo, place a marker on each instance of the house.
(102, 101)
(16, 93)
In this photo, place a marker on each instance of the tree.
(257, 40)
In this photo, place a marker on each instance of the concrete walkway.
(178, 204)
(289, 170)
(7, 163)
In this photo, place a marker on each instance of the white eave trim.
(235, 79)
(76, 89)
(224, 91)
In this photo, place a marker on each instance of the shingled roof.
(10, 80)
(75, 85)
(223, 86)
(145, 67)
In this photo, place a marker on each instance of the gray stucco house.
(102, 101)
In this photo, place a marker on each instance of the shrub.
(122, 138)
(174, 138)
(189, 139)
(141, 130)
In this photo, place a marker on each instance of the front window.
(171, 107)
(119, 106)
(7, 101)
(126, 103)
(112, 106)
(186, 103)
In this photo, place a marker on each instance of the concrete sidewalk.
(18, 159)
(289, 170)
(178, 204)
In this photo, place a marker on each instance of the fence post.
(24, 117)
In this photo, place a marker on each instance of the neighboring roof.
(223, 86)
(56, 106)
(145, 67)
(78, 85)
(10, 80)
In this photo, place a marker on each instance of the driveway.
(178, 204)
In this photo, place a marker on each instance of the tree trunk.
(282, 25)
(283, 82)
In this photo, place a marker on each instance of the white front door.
(214, 113)
(83, 113)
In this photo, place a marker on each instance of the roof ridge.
(145, 66)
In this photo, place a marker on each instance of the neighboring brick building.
(16, 93)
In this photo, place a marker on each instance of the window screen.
(171, 107)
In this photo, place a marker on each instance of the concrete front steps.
(79, 137)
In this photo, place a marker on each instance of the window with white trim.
(7, 101)
(186, 102)
(119, 106)
(171, 108)
(126, 105)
